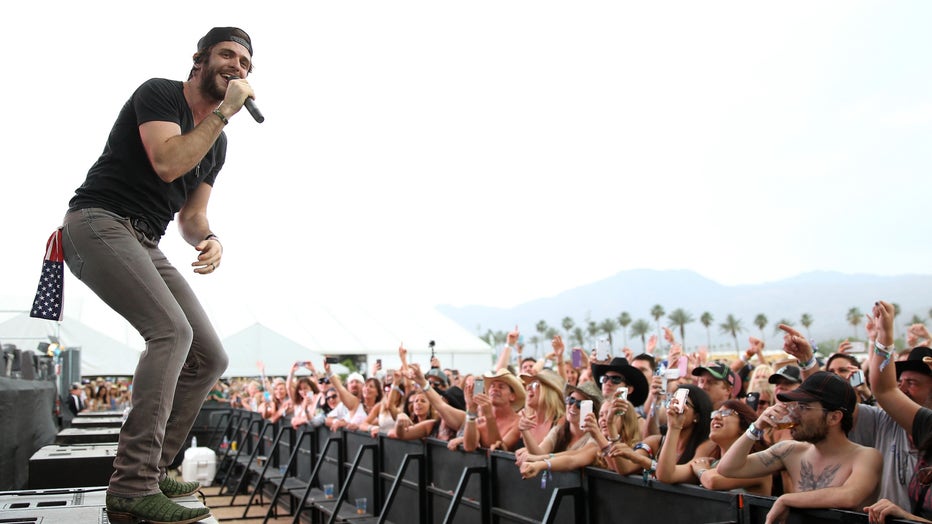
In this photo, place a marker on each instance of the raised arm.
(796, 345)
(883, 382)
(348, 399)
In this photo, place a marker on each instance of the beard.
(813, 432)
(209, 83)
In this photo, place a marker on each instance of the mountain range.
(826, 296)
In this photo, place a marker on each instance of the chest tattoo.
(808, 480)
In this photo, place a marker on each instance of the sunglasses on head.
(614, 378)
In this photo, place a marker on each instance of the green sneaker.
(174, 489)
(154, 509)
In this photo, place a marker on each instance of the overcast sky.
(496, 152)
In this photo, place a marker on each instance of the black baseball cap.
(790, 373)
(225, 34)
(828, 389)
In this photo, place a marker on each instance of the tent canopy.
(100, 354)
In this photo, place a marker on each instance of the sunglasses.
(570, 401)
(532, 385)
(796, 406)
(724, 412)
(614, 378)
(331, 397)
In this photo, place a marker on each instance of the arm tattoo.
(808, 481)
(774, 453)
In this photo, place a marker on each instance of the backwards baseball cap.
(914, 361)
(718, 370)
(439, 375)
(791, 373)
(355, 376)
(225, 34)
(828, 389)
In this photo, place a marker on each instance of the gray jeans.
(183, 357)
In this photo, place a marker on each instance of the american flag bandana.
(50, 295)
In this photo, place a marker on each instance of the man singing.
(162, 157)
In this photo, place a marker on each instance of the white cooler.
(199, 464)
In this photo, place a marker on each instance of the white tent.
(314, 330)
(100, 354)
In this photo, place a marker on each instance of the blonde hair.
(551, 404)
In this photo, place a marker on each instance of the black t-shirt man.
(123, 181)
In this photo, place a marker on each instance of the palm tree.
(640, 328)
(854, 318)
(776, 327)
(657, 312)
(551, 332)
(761, 322)
(593, 329)
(679, 317)
(578, 336)
(609, 326)
(917, 320)
(541, 330)
(896, 313)
(732, 326)
(568, 324)
(624, 320)
(707, 319)
(806, 320)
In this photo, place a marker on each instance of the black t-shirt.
(122, 180)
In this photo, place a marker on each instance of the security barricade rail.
(423, 481)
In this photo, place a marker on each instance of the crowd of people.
(100, 395)
(834, 433)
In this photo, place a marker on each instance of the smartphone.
(857, 378)
(478, 386)
(378, 362)
(681, 395)
(603, 349)
(333, 360)
(585, 408)
(577, 358)
(752, 400)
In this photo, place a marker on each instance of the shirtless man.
(492, 417)
(826, 469)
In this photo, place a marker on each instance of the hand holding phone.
(681, 395)
(577, 358)
(856, 378)
(585, 409)
(478, 386)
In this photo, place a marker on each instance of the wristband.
(701, 472)
(426, 387)
(809, 364)
(549, 464)
(886, 352)
(220, 115)
(753, 433)
(212, 236)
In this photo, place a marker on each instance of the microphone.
(250, 105)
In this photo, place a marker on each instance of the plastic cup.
(361, 506)
(328, 491)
